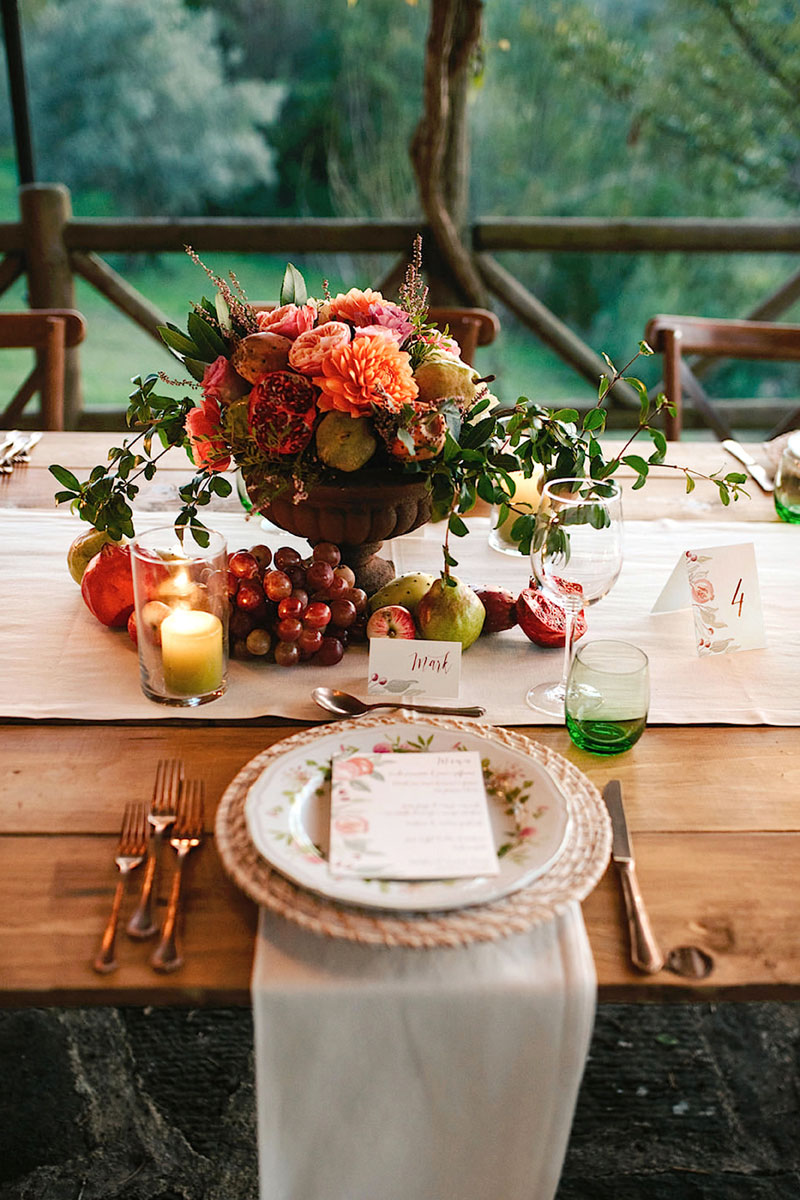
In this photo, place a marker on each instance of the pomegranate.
(542, 620)
(282, 412)
(107, 586)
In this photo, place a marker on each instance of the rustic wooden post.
(45, 209)
(439, 151)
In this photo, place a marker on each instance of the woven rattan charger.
(574, 874)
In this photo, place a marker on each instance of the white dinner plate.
(288, 813)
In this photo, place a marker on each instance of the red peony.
(282, 411)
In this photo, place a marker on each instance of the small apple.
(107, 586)
(153, 613)
(392, 621)
(133, 632)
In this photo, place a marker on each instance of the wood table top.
(714, 813)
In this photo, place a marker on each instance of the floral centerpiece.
(339, 390)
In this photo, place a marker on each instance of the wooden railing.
(52, 247)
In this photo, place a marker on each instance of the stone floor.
(677, 1103)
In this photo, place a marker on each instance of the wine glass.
(576, 556)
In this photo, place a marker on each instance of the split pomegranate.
(542, 620)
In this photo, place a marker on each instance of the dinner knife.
(754, 468)
(645, 951)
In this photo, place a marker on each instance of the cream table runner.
(58, 662)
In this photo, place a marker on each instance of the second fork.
(186, 836)
(163, 811)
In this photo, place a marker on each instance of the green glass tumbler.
(608, 696)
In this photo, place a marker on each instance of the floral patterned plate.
(288, 814)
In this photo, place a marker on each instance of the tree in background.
(714, 88)
(138, 101)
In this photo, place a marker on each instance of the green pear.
(450, 614)
(345, 443)
(440, 376)
(406, 590)
(83, 550)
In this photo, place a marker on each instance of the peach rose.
(352, 306)
(203, 430)
(368, 370)
(702, 591)
(290, 320)
(310, 349)
(222, 383)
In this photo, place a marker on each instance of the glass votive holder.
(608, 696)
(787, 481)
(527, 495)
(181, 595)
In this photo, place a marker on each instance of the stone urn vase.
(357, 515)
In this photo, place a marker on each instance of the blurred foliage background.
(579, 108)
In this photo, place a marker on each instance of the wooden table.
(714, 812)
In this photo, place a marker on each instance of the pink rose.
(222, 384)
(378, 331)
(207, 443)
(349, 825)
(391, 316)
(702, 591)
(351, 768)
(290, 320)
(311, 349)
(443, 342)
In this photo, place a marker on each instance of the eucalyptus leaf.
(177, 341)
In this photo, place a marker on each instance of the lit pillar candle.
(527, 496)
(191, 652)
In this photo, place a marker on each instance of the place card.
(408, 667)
(720, 584)
(410, 816)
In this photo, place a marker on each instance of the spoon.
(342, 704)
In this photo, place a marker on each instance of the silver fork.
(131, 851)
(163, 811)
(186, 836)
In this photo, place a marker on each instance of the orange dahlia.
(368, 370)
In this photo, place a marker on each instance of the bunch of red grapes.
(292, 609)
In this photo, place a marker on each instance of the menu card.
(410, 816)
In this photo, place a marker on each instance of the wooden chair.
(48, 331)
(674, 336)
(471, 327)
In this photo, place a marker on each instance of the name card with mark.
(408, 667)
(720, 584)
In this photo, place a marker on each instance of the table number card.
(407, 667)
(410, 816)
(720, 584)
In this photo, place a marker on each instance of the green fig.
(345, 443)
(406, 590)
(450, 614)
